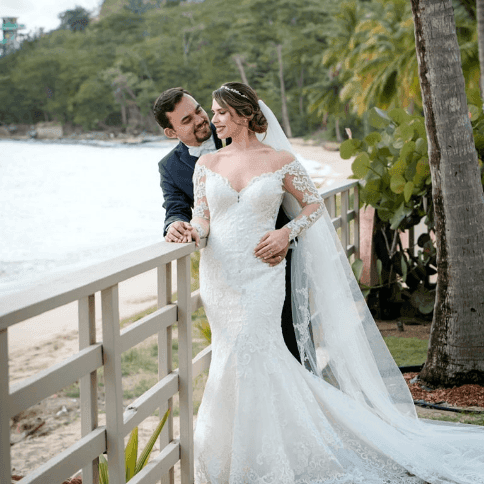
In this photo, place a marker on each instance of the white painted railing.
(81, 286)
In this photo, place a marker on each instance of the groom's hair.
(166, 103)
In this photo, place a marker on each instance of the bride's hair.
(244, 100)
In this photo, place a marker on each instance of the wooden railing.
(81, 286)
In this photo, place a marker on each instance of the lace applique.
(201, 231)
(298, 183)
(201, 212)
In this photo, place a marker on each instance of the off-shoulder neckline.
(252, 180)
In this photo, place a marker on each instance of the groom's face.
(189, 121)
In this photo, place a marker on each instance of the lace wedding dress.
(264, 417)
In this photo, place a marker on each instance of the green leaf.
(379, 268)
(475, 112)
(419, 127)
(404, 268)
(399, 115)
(361, 165)
(103, 470)
(405, 132)
(348, 148)
(423, 167)
(131, 454)
(398, 216)
(378, 118)
(411, 170)
(398, 167)
(408, 190)
(384, 214)
(407, 150)
(372, 192)
(145, 455)
(422, 146)
(373, 138)
(397, 183)
(357, 267)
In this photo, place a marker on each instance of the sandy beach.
(46, 429)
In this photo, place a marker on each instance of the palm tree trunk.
(456, 347)
(240, 66)
(285, 115)
(480, 37)
(339, 137)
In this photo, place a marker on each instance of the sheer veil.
(330, 310)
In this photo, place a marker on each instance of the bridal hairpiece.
(234, 90)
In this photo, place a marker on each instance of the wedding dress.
(344, 416)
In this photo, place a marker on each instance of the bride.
(345, 415)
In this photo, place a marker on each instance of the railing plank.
(196, 300)
(5, 465)
(113, 385)
(70, 460)
(201, 362)
(163, 462)
(329, 192)
(356, 215)
(345, 229)
(47, 382)
(74, 286)
(185, 368)
(165, 363)
(146, 404)
(148, 326)
(88, 383)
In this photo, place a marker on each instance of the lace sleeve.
(201, 213)
(298, 183)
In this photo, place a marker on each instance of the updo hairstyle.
(244, 100)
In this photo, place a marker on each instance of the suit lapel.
(185, 156)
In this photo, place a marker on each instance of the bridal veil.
(339, 341)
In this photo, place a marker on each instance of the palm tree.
(456, 343)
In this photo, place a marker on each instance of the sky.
(35, 14)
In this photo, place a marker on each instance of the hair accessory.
(234, 90)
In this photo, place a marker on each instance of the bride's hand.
(272, 243)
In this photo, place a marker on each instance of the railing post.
(5, 464)
(331, 205)
(113, 384)
(88, 383)
(344, 220)
(165, 362)
(356, 232)
(184, 303)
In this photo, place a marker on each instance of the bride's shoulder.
(208, 160)
(282, 158)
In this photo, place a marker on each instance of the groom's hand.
(278, 258)
(179, 232)
(273, 246)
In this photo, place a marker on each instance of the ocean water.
(67, 206)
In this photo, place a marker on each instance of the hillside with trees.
(320, 65)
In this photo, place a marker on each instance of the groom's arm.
(177, 204)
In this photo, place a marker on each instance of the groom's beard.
(203, 132)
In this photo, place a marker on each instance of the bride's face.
(227, 122)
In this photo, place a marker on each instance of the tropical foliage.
(133, 464)
(325, 63)
(393, 166)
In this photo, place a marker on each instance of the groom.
(182, 118)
